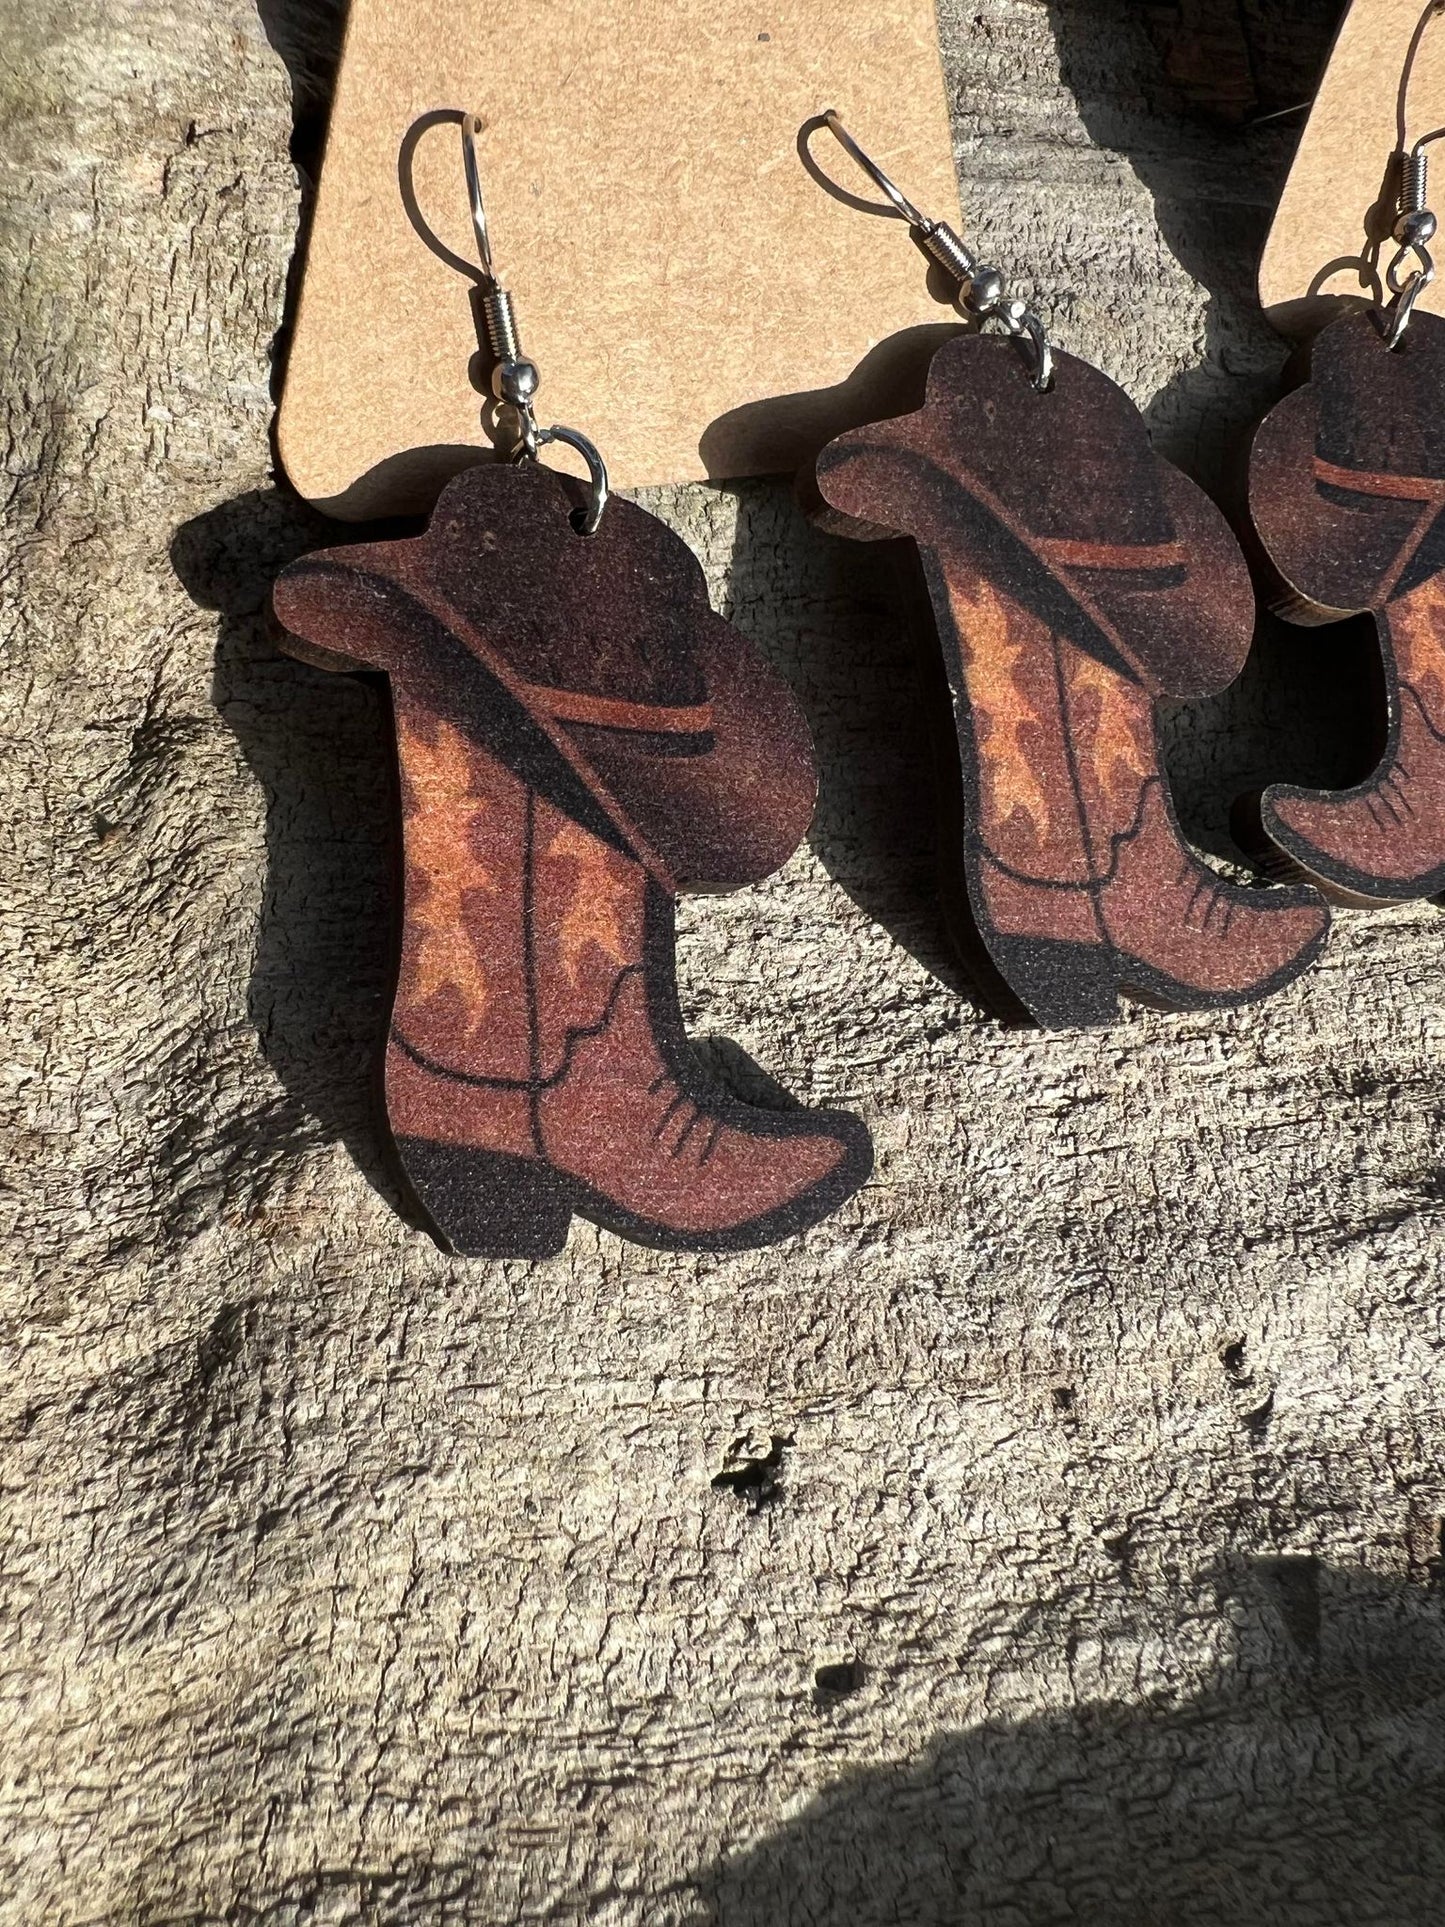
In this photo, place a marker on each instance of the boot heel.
(1063, 986)
(488, 1204)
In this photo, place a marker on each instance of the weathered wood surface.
(1053, 1536)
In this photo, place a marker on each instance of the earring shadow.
(1302, 711)
(889, 380)
(843, 625)
(409, 481)
(320, 746)
(1319, 304)
(851, 629)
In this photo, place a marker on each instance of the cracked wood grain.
(1099, 1574)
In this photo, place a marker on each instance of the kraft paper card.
(688, 289)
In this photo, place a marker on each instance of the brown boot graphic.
(1347, 483)
(1074, 578)
(537, 1063)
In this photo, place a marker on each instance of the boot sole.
(1072, 986)
(491, 1204)
(1284, 861)
(1068, 985)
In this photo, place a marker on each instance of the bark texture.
(1052, 1537)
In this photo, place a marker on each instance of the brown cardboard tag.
(1331, 234)
(683, 284)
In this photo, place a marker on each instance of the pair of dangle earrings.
(579, 737)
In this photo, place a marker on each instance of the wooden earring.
(1075, 577)
(579, 736)
(1347, 498)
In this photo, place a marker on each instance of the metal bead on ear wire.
(516, 382)
(1415, 227)
(984, 291)
(1415, 224)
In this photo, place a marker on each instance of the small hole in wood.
(838, 1681)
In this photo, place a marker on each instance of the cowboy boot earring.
(578, 736)
(1074, 577)
(1346, 489)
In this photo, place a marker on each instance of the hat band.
(610, 712)
(1365, 481)
(1063, 553)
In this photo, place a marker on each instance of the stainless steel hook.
(1415, 223)
(874, 172)
(472, 126)
(515, 378)
(981, 288)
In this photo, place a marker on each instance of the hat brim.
(729, 809)
(712, 807)
(1184, 631)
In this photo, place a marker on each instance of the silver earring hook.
(516, 379)
(471, 127)
(1415, 223)
(874, 172)
(980, 288)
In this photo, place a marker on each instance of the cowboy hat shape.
(1075, 577)
(1347, 485)
(578, 736)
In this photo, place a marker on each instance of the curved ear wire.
(981, 289)
(1415, 224)
(471, 127)
(1432, 8)
(515, 378)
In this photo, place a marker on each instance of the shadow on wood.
(853, 634)
(320, 747)
(1301, 1789)
(307, 34)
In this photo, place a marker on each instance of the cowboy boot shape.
(567, 708)
(1075, 577)
(1347, 482)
